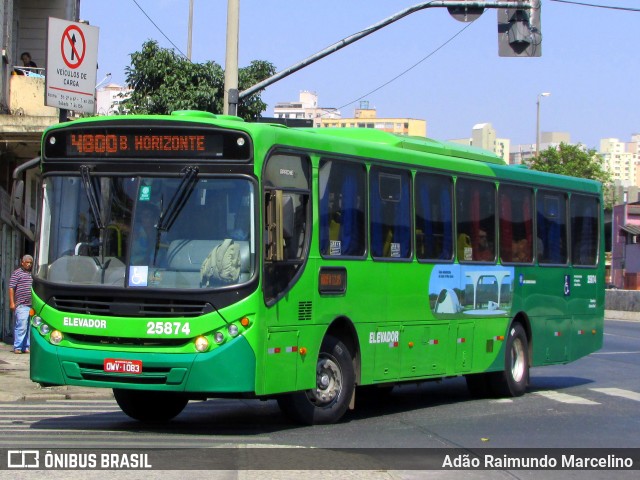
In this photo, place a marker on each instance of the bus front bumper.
(229, 368)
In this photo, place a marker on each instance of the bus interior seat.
(86, 270)
(185, 257)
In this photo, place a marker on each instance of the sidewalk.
(15, 384)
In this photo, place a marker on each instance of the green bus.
(194, 256)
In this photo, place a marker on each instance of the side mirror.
(17, 199)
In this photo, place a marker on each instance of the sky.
(589, 61)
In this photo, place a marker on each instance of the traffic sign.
(72, 64)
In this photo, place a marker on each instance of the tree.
(575, 161)
(163, 81)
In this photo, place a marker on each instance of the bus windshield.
(190, 232)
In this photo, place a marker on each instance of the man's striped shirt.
(21, 281)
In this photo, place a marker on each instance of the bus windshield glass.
(190, 232)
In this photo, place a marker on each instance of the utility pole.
(190, 32)
(231, 61)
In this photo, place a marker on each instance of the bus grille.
(140, 308)
(124, 341)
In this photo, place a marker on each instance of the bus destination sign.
(157, 143)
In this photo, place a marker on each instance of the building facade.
(625, 246)
(622, 159)
(23, 118)
(483, 135)
(525, 152)
(365, 117)
(109, 98)
(306, 108)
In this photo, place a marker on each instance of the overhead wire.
(404, 72)
(611, 7)
(159, 29)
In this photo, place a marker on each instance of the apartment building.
(306, 108)
(365, 117)
(622, 159)
(483, 135)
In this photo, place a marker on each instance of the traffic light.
(519, 32)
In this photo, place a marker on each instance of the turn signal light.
(244, 322)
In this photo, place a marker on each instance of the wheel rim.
(328, 382)
(518, 366)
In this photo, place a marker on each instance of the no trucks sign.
(72, 63)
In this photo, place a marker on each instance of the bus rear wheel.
(150, 407)
(513, 381)
(335, 383)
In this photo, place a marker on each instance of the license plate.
(112, 365)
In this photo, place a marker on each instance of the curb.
(622, 315)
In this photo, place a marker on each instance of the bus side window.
(475, 216)
(390, 210)
(434, 226)
(552, 228)
(342, 201)
(286, 223)
(516, 224)
(584, 230)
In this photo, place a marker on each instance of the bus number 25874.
(168, 328)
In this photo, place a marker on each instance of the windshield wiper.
(92, 196)
(176, 204)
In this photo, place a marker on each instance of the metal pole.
(545, 94)
(190, 30)
(538, 126)
(525, 5)
(231, 61)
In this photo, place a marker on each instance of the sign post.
(72, 64)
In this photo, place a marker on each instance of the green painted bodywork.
(385, 313)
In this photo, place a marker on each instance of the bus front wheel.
(335, 383)
(513, 381)
(150, 407)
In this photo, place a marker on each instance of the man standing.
(20, 303)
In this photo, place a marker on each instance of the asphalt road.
(591, 403)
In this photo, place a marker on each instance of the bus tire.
(513, 381)
(335, 383)
(150, 407)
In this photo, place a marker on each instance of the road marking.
(615, 353)
(565, 398)
(618, 392)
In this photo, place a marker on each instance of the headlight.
(44, 329)
(218, 337)
(233, 330)
(56, 337)
(202, 344)
(36, 321)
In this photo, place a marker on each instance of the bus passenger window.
(390, 211)
(434, 226)
(342, 204)
(552, 228)
(584, 230)
(516, 224)
(475, 215)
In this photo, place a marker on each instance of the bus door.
(288, 293)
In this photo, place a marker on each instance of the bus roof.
(419, 144)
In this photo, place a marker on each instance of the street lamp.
(545, 94)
